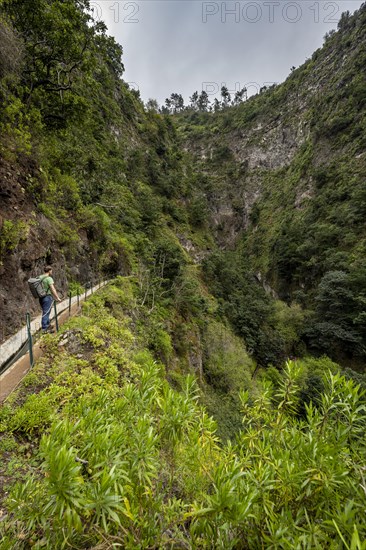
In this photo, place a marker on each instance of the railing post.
(78, 295)
(30, 339)
(85, 291)
(56, 317)
(91, 286)
(69, 304)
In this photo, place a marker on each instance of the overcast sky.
(187, 45)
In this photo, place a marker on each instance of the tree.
(226, 97)
(329, 34)
(203, 101)
(240, 96)
(194, 100)
(168, 105)
(216, 105)
(174, 103)
(334, 298)
(333, 330)
(152, 106)
(344, 21)
(177, 102)
(56, 36)
(62, 44)
(246, 305)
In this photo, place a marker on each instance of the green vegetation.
(64, 98)
(108, 453)
(289, 165)
(11, 233)
(236, 256)
(113, 173)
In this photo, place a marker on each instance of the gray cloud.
(176, 46)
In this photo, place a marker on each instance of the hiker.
(47, 301)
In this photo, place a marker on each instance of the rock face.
(28, 241)
(249, 162)
(263, 149)
(245, 151)
(271, 144)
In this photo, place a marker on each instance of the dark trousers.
(46, 305)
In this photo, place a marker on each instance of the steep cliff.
(81, 162)
(246, 221)
(291, 131)
(282, 182)
(256, 202)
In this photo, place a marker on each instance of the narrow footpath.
(12, 348)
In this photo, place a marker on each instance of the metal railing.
(23, 341)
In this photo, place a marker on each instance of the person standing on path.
(47, 301)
